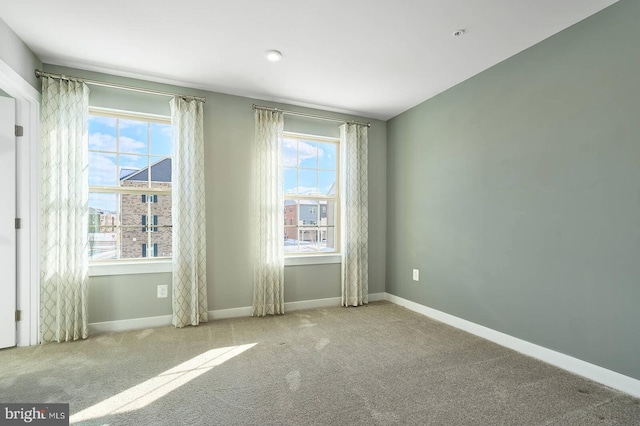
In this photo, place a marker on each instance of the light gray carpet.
(378, 364)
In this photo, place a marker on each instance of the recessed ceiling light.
(458, 33)
(273, 55)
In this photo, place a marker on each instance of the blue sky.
(316, 166)
(143, 144)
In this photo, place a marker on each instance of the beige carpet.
(378, 364)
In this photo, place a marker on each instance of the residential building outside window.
(311, 203)
(129, 186)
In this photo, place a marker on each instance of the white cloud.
(132, 145)
(305, 151)
(302, 190)
(307, 190)
(102, 142)
(128, 123)
(102, 169)
(137, 162)
(289, 153)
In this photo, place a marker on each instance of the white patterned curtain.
(64, 214)
(268, 281)
(188, 214)
(355, 214)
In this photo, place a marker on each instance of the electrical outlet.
(416, 275)
(163, 291)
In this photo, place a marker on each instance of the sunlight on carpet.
(155, 388)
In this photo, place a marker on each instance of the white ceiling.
(370, 58)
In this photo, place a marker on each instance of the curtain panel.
(354, 205)
(268, 283)
(188, 214)
(64, 210)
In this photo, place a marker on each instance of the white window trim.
(129, 267)
(163, 266)
(312, 259)
(319, 258)
(133, 115)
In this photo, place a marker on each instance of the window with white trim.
(311, 203)
(129, 186)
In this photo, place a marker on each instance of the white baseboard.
(289, 306)
(311, 304)
(130, 324)
(325, 303)
(165, 320)
(376, 297)
(574, 365)
(230, 313)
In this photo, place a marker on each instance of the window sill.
(98, 269)
(319, 259)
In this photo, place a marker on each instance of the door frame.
(27, 203)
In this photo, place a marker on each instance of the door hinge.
(18, 223)
(18, 315)
(19, 131)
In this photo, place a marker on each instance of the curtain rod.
(117, 86)
(302, 114)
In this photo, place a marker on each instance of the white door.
(7, 222)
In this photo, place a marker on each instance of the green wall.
(18, 56)
(517, 195)
(229, 136)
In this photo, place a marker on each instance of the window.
(129, 186)
(146, 227)
(152, 252)
(311, 203)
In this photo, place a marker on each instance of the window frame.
(318, 257)
(98, 267)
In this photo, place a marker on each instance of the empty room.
(286, 213)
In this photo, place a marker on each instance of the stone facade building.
(146, 217)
